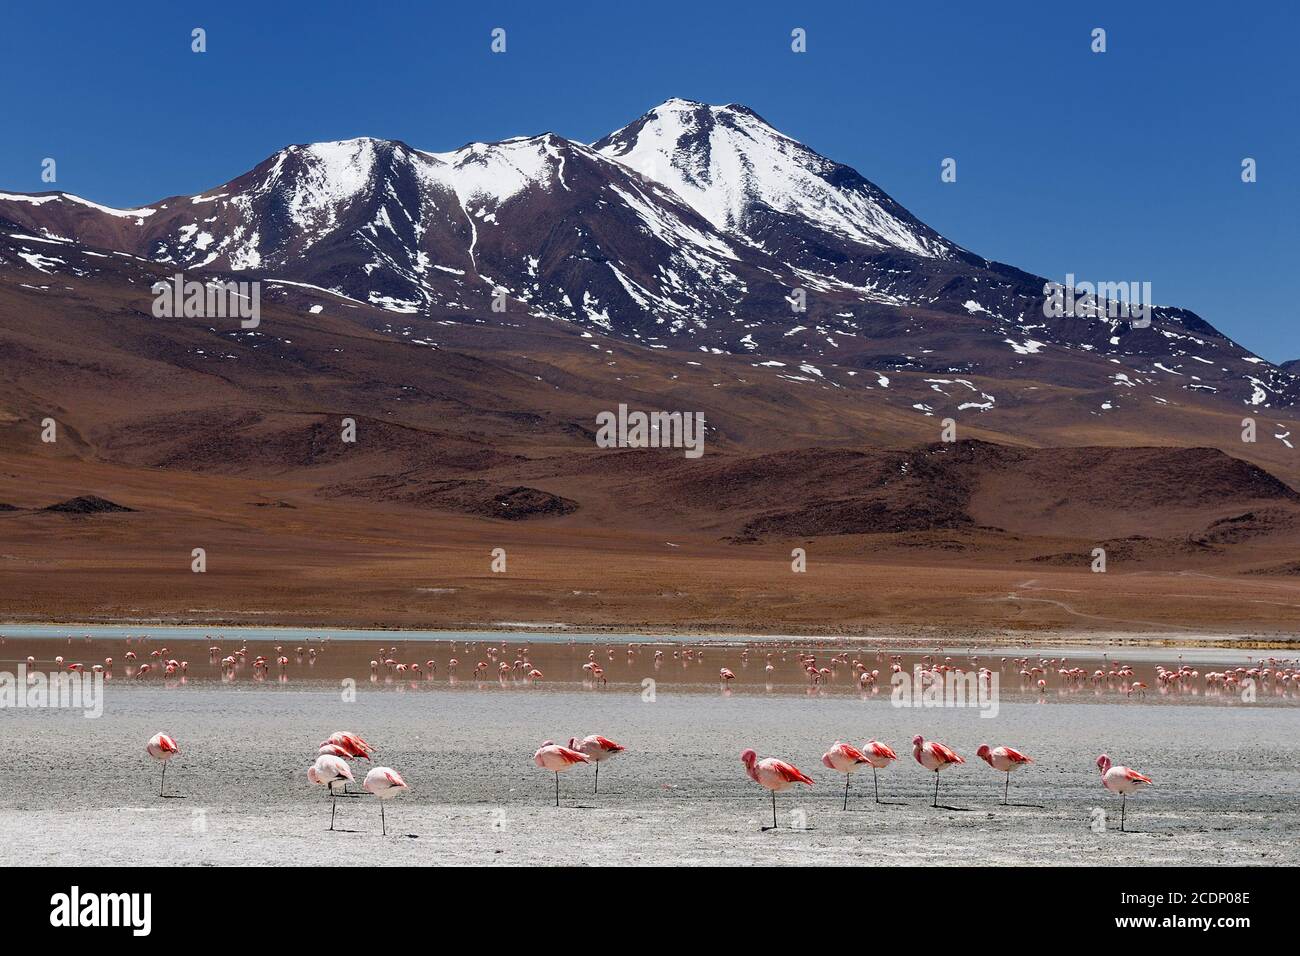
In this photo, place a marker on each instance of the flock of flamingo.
(1279, 675)
(331, 768)
(1266, 675)
(776, 775)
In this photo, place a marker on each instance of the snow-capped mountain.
(695, 226)
(750, 179)
(554, 226)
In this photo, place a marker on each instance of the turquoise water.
(551, 635)
(1085, 648)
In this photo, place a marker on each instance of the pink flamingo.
(934, 757)
(844, 758)
(772, 774)
(162, 748)
(349, 746)
(352, 745)
(385, 783)
(879, 756)
(1004, 760)
(598, 749)
(555, 758)
(328, 771)
(1121, 780)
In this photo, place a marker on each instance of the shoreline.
(559, 633)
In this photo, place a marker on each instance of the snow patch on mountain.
(137, 214)
(333, 174)
(728, 165)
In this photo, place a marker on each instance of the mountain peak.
(743, 175)
(681, 103)
(696, 223)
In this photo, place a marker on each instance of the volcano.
(865, 383)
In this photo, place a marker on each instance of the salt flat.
(80, 791)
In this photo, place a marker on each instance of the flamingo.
(385, 783)
(1121, 780)
(879, 756)
(1004, 760)
(551, 756)
(351, 743)
(844, 758)
(327, 771)
(349, 746)
(598, 749)
(934, 757)
(162, 748)
(774, 775)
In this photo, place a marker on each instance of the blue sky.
(1116, 166)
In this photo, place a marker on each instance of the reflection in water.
(796, 666)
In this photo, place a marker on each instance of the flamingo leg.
(773, 809)
(1123, 798)
(383, 824)
(333, 807)
(846, 791)
(875, 780)
(163, 780)
(1006, 788)
(936, 788)
(557, 788)
(597, 789)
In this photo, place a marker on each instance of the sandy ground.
(342, 563)
(78, 791)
